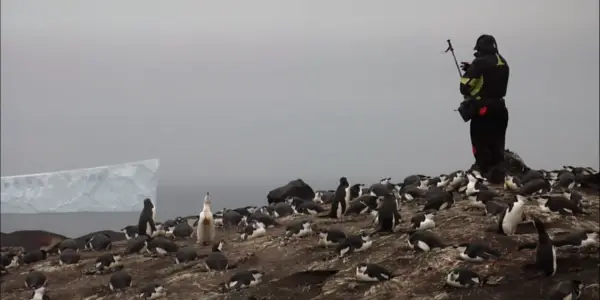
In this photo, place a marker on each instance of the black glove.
(465, 66)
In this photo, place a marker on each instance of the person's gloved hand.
(464, 66)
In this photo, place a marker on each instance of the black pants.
(488, 134)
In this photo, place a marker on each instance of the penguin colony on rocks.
(551, 192)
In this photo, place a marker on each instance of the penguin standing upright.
(387, 214)
(205, 233)
(146, 223)
(338, 205)
(545, 253)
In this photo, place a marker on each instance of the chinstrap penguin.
(567, 290)
(299, 229)
(146, 223)
(425, 241)
(476, 252)
(464, 278)
(512, 216)
(35, 279)
(243, 279)
(119, 281)
(253, 230)
(372, 273)
(330, 237)
(152, 291)
(205, 233)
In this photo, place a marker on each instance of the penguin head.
(322, 233)
(521, 198)
(306, 225)
(251, 209)
(361, 268)
(568, 168)
(218, 246)
(178, 220)
(344, 182)
(365, 236)
(258, 275)
(148, 203)
(591, 234)
(429, 214)
(207, 199)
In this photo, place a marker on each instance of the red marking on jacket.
(474, 150)
(483, 110)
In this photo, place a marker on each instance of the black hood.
(486, 44)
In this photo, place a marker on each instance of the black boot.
(496, 175)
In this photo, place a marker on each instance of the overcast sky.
(267, 91)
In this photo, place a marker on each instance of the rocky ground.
(420, 275)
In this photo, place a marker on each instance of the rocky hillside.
(291, 265)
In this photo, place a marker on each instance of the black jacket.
(486, 77)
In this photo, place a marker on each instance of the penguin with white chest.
(136, 245)
(146, 223)
(130, 231)
(387, 214)
(98, 242)
(330, 237)
(464, 278)
(162, 246)
(545, 253)
(354, 243)
(535, 187)
(299, 229)
(216, 260)
(253, 230)
(372, 273)
(243, 280)
(512, 216)
(423, 221)
(558, 204)
(152, 291)
(205, 233)
(476, 252)
(425, 241)
(107, 261)
(512, 183)
(338, 205)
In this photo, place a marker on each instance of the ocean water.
(172, 201)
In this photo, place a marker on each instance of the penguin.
(168, 224)
(464, 278)
(531, 175)
(295, 201)
(205, 233)
(578, 239)
(67, 244)
(186, 254)
(308, 208)
(439, 181)
(512, 183)
(574, 197)
(380, 190)
(330, 237)
(423, 221)
(152, 291)
(98, 242)
(512, 216)
(354, 243)
(282, 209)
(413, 180)
(231, 218)
(567, 290)
(243, 279)
(40, 294)
(358, 207)
(475, 184)
(353, 192)
(262, 218)
(136, 245)
(455, 178)
(119, 281)
(476, 252)
(162, 246)
(11, 260)
(535, 187)
(387, 214)
(438, 199)
(495, 208)
(35, 256)
(565, 180)
(267, 210)
(299, 229)
(480, 197)
(323, 196)
(339, 204)
(246, 211)
(35, 279)
(411, 192)
(425, 241)
(545, 254)
(107, 261)
(216, 260)
(130, 231)
(69, 257)
(253, 230)
(146, 224)
(182, 230)
(558, 204)
(372, 273)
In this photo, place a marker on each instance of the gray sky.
(267, 91)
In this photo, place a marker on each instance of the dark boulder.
(514, 163)
(295, 188)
